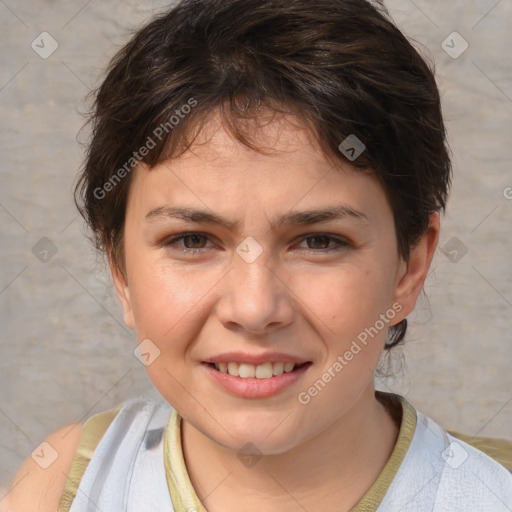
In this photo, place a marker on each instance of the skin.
(300, 296)
(36, 489)
(195, 305)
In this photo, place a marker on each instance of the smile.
(260, 371)
(255, 381)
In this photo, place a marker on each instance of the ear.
(412, 273)
(123, 292)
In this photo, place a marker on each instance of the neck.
(331, 471)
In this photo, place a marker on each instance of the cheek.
(345, 301)
(167, 310)
(348, 306)
(166, 299)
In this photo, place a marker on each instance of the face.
(274, 286)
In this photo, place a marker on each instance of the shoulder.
(40, 481)
(445, 473)
(466, 474)
(66, 453)
(498, 449)
(471, 474)
(45, 476)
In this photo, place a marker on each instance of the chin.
(257, 440)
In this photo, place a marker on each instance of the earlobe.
(413, 272)
(123, 293)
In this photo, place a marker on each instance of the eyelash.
(342, 244)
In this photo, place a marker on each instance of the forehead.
(277, 135)
(218, 171)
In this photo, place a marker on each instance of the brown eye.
(325, 243)
(319, 242)
(191, 242)
(195, 240)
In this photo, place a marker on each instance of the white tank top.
(439, 472)
(126, 472)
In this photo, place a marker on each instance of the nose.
(255, 298)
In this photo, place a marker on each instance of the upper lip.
(267, 357)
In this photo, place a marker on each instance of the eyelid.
(173, 239)
(342, 242)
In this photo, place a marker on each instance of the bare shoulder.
(40, 481)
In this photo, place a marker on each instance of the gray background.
(66, 353)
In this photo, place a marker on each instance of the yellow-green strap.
(183, 495)
(93, 430)
(374, 496)
(498, 449)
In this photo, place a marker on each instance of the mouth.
(255, 381)
(263, 371)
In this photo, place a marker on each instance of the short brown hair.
(340, 66)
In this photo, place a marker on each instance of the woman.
(266, 179)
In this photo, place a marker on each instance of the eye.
(320, 243)
(193, 242)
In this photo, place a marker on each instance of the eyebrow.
(307, 217)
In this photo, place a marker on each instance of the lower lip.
(256, 388)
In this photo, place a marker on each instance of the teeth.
(277, 368)
(288, 367)
(233, 369)
(261, 371)
(264, 371)
(246, 370)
